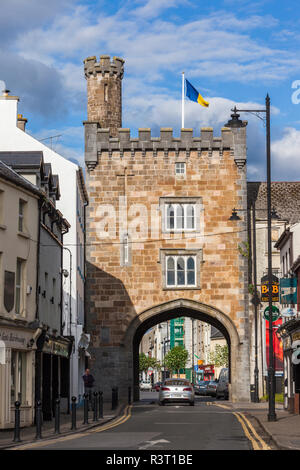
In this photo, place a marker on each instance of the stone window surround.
(165, 201)
(197, 253)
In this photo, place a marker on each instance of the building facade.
(72, 203)
(160, 245)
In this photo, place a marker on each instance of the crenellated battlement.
(98, 140)
(114, 67)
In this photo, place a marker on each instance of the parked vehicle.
(146, 385)
(157, 386)
(212, 388)
(201, 387)
(176, 390)
(222, 387)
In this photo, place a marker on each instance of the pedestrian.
(89, 380)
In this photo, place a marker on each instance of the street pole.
(256, 302)
(271, 375)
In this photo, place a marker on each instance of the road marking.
(46, 442)
(248, 429)
(153, 443)
(262, 442)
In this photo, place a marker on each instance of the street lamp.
(255, 300)
(235, 122)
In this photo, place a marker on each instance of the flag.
(194, 95)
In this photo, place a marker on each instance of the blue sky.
(231, 54)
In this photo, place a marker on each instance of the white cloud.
(286, 154)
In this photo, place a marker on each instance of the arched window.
(190, 216)
(191, 271)
(180, 272)
(170, 271)
(179, 216)
(170, 217)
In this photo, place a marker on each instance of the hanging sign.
(288, 312)
(265, 289)
(275, 313)
(288, 290)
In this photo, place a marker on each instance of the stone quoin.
(128, 279)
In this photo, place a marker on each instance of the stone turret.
(104, 92)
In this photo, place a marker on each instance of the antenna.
(51, 139)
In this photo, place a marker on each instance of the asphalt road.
(209, 425)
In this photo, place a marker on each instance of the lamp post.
(235, 122)
(255, 300)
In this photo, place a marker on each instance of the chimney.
(8, 111)
(21, 122)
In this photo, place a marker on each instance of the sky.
(233, 52)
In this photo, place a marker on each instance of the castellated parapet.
(98, 140)
(104, 90)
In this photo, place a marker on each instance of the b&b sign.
(265, 289)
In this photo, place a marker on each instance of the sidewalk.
(28, 434)
(285, 432)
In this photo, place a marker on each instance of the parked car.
(212, 388)
(146, 385)
(157, 386)
(201, 387)
(176, 390)
(222, 387)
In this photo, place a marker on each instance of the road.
(209, 425)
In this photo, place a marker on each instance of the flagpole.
(182, 102)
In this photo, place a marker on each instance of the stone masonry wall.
(117, 293)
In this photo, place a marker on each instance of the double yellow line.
(116, 422)
(256, 441)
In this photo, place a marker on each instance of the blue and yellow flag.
(194, 95)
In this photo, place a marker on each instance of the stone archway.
(239, 387)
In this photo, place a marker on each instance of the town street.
(209, 425)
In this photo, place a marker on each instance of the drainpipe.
(70, 294)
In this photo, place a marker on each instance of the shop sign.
(14, 339)
(288, 290)
(275, 313)
(265, 289)
(57, 348)
(288, 312)
(296, 336)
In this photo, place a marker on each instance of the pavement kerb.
(96, 424)
(260, 423)
(272, 438)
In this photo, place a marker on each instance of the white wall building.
(72, 205)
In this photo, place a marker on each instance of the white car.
(146, 386)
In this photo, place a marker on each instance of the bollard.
(73, 410)
(114, 398)
(129, 395)
(95, 418)
(57, 416)
(17, 422)
(86, 409)
(38, 414)
(100, 405)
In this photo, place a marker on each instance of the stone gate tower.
(160, 244)
(104, 91)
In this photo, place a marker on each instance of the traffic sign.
(275, 313)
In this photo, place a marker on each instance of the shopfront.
(289, 332)
(53, 374)
(17, 364)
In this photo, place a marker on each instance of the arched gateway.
(159, 240)
(181, 308)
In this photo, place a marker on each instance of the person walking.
(88, 381)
